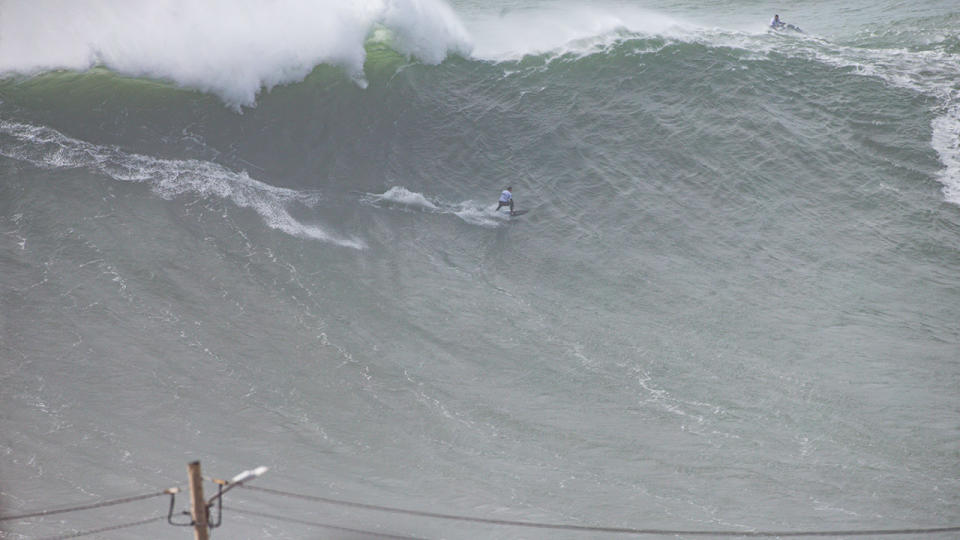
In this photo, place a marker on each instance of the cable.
(620, 530)
(91, 506)
(106, 529)
(321, 525)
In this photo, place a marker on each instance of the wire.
(321, 525)
(106, 529)
(620, 530)
(91, 506)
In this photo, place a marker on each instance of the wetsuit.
(506, 199)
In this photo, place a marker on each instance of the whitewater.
(255, 234)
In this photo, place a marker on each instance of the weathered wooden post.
(198, 506)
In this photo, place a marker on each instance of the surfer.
(777, 24)
(506, 199)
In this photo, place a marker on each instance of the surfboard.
(518, 213)
(788, 28)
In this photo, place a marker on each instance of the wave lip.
(514, 34)
(232, 48)
(48, 148)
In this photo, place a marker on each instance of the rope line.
(106, 529)
(618, 530)
(101, 504)
(321, 525)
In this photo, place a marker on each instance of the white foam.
(45, 147)
(403, 196)
(482, 215)
(946, 141)
(426, 29)
(233, 48)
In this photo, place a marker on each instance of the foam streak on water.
(46, 147)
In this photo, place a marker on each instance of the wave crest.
(232, 48)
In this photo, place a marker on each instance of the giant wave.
(732, 305)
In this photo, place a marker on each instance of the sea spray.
(234, 49)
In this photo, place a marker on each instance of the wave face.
(265, 233)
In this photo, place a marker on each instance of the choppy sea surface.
(251, 233)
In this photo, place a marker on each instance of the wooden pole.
(198, 505)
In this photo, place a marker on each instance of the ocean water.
(253, 233)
